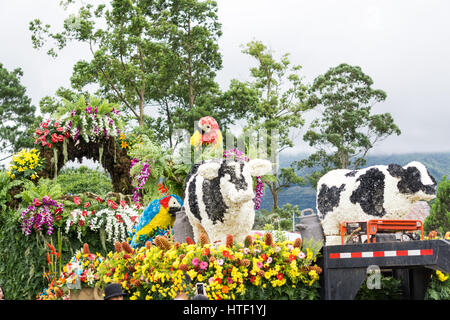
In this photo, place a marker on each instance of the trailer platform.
(345, 266)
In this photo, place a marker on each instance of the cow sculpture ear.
(209, 170)
(259, 167)
(396, 170)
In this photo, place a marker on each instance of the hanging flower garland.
(92, 120)
(40, 213)
(259, 190)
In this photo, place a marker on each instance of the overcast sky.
(403, 45)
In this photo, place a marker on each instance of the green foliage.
(346, 129)
(83, 179)
(45, 187)
(5, 185)
(438, 289)
(390, 290)
(16, 112)
(439, 217)
(22, 258)
(162, 169)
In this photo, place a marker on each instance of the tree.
(16, 112)
(346, 129)
(144, 52)
(278, 97)
(439, 218)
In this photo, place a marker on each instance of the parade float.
(136, 237)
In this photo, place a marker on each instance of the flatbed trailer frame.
(345, 266)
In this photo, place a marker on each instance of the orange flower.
(225, 289)
(124, 144)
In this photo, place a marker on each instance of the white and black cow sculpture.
(377, 192)
(219, 197)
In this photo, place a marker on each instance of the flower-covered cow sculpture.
(377, 192)
(219, 197)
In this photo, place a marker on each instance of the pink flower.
(219, 262)
(246, 250)
(203, 265)
(269, 260)
(230, 280)
(195, 262)
(301, 255)
(259, 264)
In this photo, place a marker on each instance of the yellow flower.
(441, 276)
(124, 144)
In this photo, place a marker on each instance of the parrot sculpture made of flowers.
(210, 133)
(156, 219)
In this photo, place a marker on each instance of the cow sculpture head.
(415, 180)
(234, 177)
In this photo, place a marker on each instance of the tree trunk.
(190, 81)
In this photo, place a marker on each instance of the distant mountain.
(438, 165)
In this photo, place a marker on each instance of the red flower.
(114, 205)
(291, 257)
(60, 129)
(87, 204)
(280, 276)
(67, 134)
(264, 257)
(58, 217)
(133, 218)
(38, 132)
(54, 137)
(93, 212)
(123, 203)
(48, 259)
(119, 217)
(99, 199)
(44, 125)
(56, 124)
(50, 145)
(218, 280)
(81, 223)
(252, 279)
(52, 248)
(84, 213)
(226, 254)
(36, 202)
(77, 200)
(206, 252)
(138, 205)
(60, 138)
(46, 132)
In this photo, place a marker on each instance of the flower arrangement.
(40, 213)
(91, 119)
(258, 268)
(82, 269)
(25, 164)
(118, 220)
(49, 133)
(259, 190)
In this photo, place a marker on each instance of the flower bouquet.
(49, 133)
(41, 212)
(25, 164)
